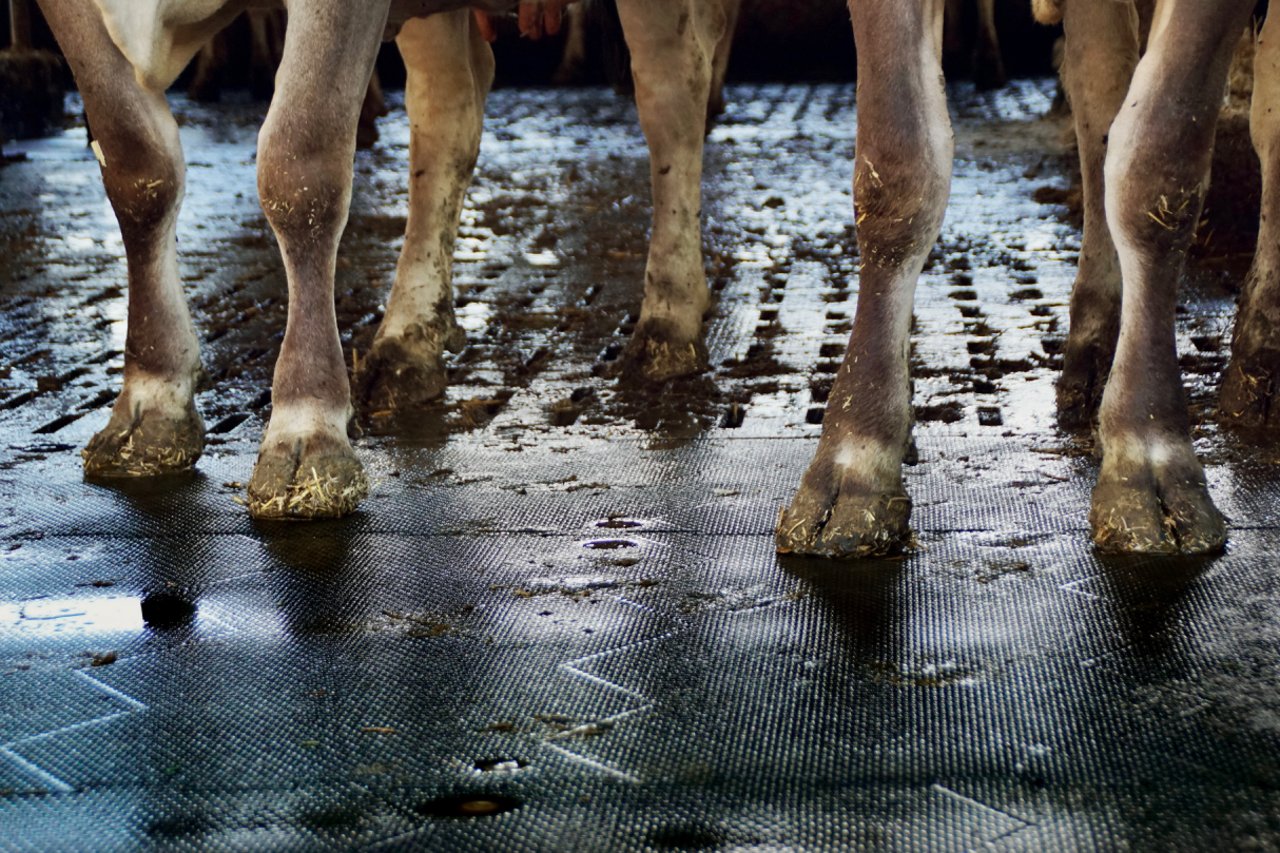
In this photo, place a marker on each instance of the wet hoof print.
(302, 486)
(655, 355)
(1144, 513)
(403, 374)
(845, 526)
(145, 445)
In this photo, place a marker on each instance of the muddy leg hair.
(1252, 380)
(671, 62)
(450, 70)
(154, 427)
(851, 502)
(306, 467)
(1101, 53)
(1151, 494)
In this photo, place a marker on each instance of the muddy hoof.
(1249, 388)
(1080, 387)
(315, 478)
(1143, 512)
(653, 358)
(845, 526)
(144, 445)
(404, 374)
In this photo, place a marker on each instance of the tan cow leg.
(306, 467)
(672, 52)
(154, 426)
(1252, 381)
(851, 502)
(450, 70)
(1101, 53)
(1151, 495)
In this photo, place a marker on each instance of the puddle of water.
(469, 805)
(51, 617)
(619, 523)
(609, 544)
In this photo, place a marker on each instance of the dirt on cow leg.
(659, 351)
(1086, 364)
(1141, 506)
(309, 477)
(842, 519)
(406, 372)
(852, 503)
(144, 443)
(1250, 384)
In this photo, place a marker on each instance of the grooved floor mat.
(559, 622)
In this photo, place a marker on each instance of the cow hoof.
(1249, 388)
(845, 526)
(405, 373)
(652, 357)
(1084, 376)
(317, 477)
(144, 444)
(1144, 511)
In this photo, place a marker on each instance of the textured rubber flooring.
(558, 622)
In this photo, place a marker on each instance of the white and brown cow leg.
(851, 502)
(306, 467)
(672, 49)
(450, 69)
(1101, 53)
(154, 427)
(1252, 381)
(1151, 495)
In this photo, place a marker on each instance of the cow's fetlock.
(1152, 498)
(306, 473)
(1252, 379)
(406, 371)
(1085, 367)
(850, 505)
(660, 350)
(144, 441)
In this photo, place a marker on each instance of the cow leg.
(154, 427)
(720, 62)
(988, 63)
(1151, 494)
(450, 69)
(306, 467)
(1253, 377)
(851, 502)
(575, 47)
(671, 62)
(1101, 53)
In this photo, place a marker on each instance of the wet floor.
(558, 621)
